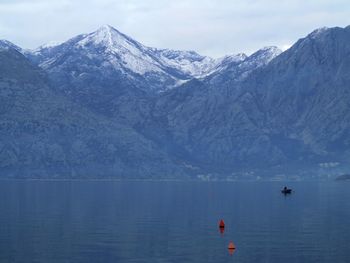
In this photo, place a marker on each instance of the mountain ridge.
(270, 112)
(127, 55)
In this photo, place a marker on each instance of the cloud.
(213, 28)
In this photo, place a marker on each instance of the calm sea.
(47, 221)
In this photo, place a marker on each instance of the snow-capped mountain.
(193, 64)
(112, 74)
(95, 106)
(110, 52)
(238, 70)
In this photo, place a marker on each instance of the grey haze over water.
(208, 27)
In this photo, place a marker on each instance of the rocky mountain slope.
(292, 110)
(108, 52)
(44, 134)
(147, 111)
(305, 91)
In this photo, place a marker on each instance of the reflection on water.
(231, 251)
(173, 222)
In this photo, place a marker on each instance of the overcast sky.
(212, 28)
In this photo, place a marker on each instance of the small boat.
(286, 190)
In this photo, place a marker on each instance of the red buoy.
(222, 224)
(231, 246)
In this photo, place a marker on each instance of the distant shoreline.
(159, 180)
(343, 177)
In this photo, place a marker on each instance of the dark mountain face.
(107, 102)
(44, 134)
(293, 110)
(217, 127)
(304, 93)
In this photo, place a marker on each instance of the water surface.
(77, 221)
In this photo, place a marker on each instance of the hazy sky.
(212, 28)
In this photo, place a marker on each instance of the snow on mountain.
(266, 54)
(189, 62)
(48, 45)
(258, 59)
(108, 50)
(237, 68)
(227, 61)
(5, 44)
(117, 49)
(317, 32)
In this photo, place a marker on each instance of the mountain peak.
(235, 58)
(318, 32)
(110, 38)
(104, 34)
(106, 27)
(266, 53)
(50, 44)
(5, 44)
(270, 49)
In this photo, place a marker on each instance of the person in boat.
(286, 190)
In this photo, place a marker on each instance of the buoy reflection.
(231, 251)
